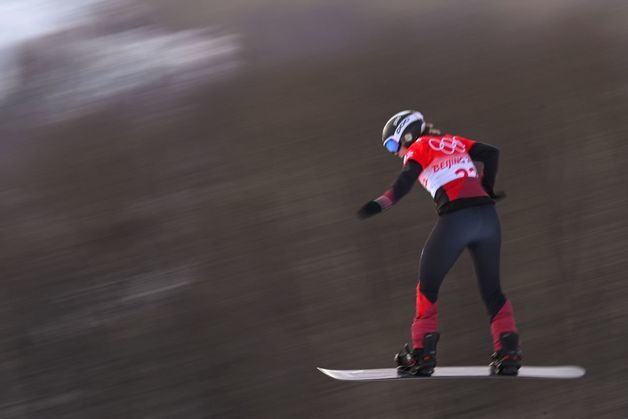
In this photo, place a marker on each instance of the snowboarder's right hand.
(497, 196)
(369, 209)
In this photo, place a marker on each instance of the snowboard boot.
(418, 361)
(507, 360)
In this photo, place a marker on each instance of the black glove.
(497, 196)
(494, 195)
(369, 209)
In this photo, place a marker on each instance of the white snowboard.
(559, 372)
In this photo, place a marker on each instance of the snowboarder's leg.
(447, 240)
(485, 252)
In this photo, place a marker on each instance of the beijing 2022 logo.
(447, 145)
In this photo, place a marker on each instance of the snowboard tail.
(551, 372)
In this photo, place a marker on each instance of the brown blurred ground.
(202, 266)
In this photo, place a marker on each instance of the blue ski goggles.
(391, 144)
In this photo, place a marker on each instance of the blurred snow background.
(64, 58)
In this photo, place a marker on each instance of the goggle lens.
(391, 145)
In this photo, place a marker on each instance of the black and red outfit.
(443, 164)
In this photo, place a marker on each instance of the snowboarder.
(465, 199)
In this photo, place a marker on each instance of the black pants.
(475, 228)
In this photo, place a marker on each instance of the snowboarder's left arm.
(489, 156)
(404, 183)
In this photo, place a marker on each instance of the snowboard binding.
(419, 361)
(507, 360)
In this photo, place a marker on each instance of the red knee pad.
(426, 319)
(503, 321)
